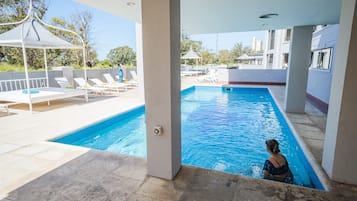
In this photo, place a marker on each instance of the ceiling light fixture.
(130, 3)
(267, 16)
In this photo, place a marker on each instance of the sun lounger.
(91, 89)
(63, 82)
(108, 77)
(210, 77)
(134, 80)
(4, 107)
(114, 86)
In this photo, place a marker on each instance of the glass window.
(270, 60)
(321, 59)
(286, 60)
(271, 39)
(288, 35)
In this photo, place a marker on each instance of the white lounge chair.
(63, 82)
(134, 80)
(114, 86)
(5, 107)
(108, 77)
(92, 89)
(210, 77)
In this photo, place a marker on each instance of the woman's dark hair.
(273, 146)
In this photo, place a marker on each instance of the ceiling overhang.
(212, 16)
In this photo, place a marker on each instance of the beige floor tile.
(5, 147)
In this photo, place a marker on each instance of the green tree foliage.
(81, 23)
(124, 55)
(187, 44)
(207, 57)
(16, 10)
(237, 50)
(225, 57)
(104, 64)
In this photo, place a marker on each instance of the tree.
(187, 44)
(225, 57)
(81, 24)
(237, 50)
(207, 57)
(124, 55)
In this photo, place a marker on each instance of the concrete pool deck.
(32, 168)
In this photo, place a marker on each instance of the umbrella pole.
(84, 63)
(26, 69)
(46, 68)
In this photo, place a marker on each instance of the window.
(321, 59)
(287, 35)
(269, 60)
(286, 60)
(271, 39)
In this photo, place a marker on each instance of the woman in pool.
(276, 167)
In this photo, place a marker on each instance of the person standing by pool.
(120, 73)
(276, 167)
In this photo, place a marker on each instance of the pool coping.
(309, 156)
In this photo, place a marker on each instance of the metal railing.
(18, 84)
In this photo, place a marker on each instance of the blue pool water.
(222, 129)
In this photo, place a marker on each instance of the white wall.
(319, 84)
(248, 75)
(319, 81)
(280, 47)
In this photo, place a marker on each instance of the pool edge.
(308, 155)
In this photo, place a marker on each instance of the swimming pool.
(222, 129)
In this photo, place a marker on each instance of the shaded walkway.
(103, 176)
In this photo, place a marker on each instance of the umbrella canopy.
(31, 34)
(191, 55)
(244, 57)
(34, 36)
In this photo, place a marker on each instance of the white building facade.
(324, 40)
(276, 51)
(257, 45)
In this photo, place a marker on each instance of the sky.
(109, 31)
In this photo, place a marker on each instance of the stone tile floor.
(103, 176)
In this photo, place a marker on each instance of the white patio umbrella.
(191, 55)
(31, 33)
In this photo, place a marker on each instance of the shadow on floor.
(57, 104)
(98, 176)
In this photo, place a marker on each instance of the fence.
(16, 80)
(11, 85)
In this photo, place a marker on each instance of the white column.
(139, 58)
(340, 148)
(161, 51)
(299, 60)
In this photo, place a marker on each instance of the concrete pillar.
(340, 148)
(161, 51)
(299, 60)
(139, 58)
